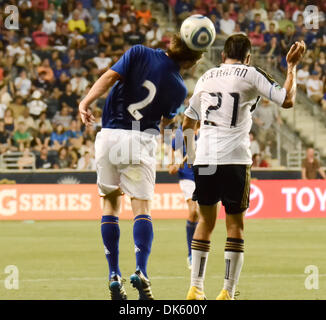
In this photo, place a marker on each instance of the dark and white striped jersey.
(223, 100)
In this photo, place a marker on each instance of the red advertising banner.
(268, 199)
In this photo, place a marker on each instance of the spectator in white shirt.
(79, 83)
(278, 13)
(102, 62)
(258, 9)
(227, 25)
(86, 162)
(303, 76)
(125, 25)
(315, 87)
(36, 106)
(3, 108)
(23, 84)
(115, 15)
(154, 35)
(84, 13)
(29, 3)
(107, 4)
(15, 49)
(254, 145)
(49, 26)
(296, 13)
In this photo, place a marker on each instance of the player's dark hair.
(237, 47)
(179, 52)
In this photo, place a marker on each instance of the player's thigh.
(236, 188)
(208, 187)
(140, 206)
(108, 176)
(187, 187)
(111, 203)
(138, 180)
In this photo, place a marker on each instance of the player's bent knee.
(209, 222)
(140, 206)
(193, 216)
(235, 225)
(112, 203)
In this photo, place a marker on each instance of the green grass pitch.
(65, 259)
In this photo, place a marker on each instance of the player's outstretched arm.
(293, 57)
(101, 86)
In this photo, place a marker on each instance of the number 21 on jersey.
(236, 99)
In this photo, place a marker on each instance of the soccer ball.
(198, 32)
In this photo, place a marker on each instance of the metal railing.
(12, 160)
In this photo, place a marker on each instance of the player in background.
(187, 185)
(147, 89)
(223, 100)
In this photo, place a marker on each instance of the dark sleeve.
(173, 144)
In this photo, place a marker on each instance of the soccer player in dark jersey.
(147, 90)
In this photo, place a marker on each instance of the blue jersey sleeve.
(173, 144)
(178, 142)
(122, 66)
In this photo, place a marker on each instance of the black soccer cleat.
(143, 285)
(117, 289)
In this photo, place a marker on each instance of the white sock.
(199, 253)
(233, 264)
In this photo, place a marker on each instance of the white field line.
(256, 276)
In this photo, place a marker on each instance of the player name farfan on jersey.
(231, 71)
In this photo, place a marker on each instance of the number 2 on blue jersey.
(135, 107)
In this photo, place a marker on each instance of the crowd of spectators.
(63, 46)
(46, 67)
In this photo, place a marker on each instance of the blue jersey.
(178, 143)
(151, 87)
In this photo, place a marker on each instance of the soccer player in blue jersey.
(147, 90)
(187, 185)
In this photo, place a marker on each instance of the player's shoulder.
(256, 71)
(140, 49)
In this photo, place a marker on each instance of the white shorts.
(125, 159)
(188, 187)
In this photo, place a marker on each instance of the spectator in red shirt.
(40, 38)
(256, 37)
(290, 8)
(232, 13)
(40, 4)
(258, 162)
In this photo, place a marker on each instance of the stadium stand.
(63, 46)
